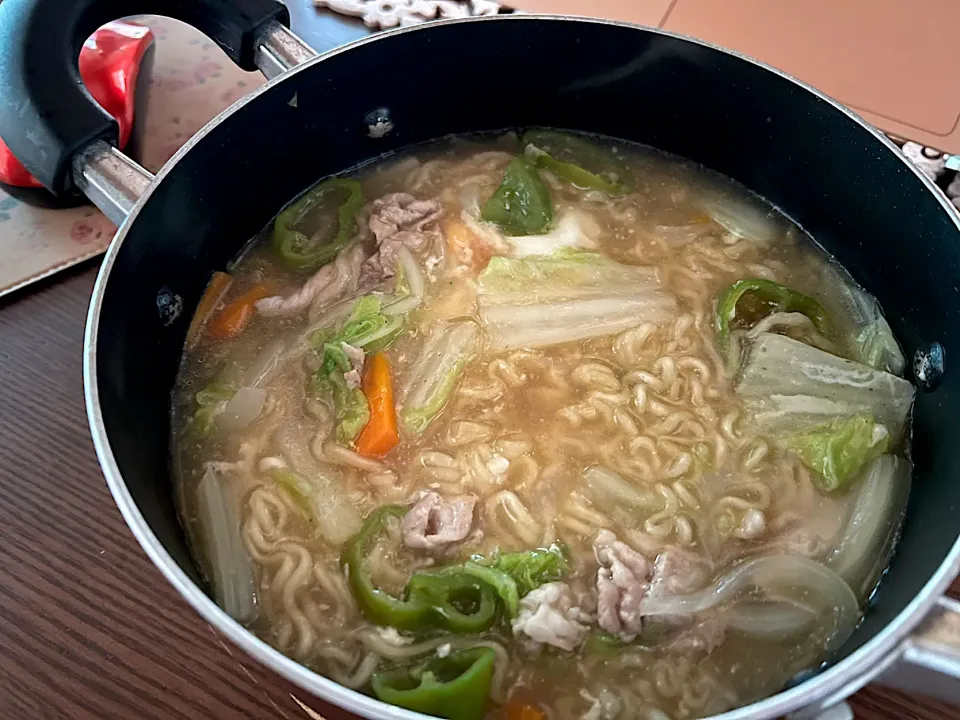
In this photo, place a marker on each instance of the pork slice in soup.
(542, 426)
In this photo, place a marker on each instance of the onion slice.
(745, 219)
(773, 621)
(470, 200)
(243, 408)
(403, 306)
(770, 573)
(881, 495)
(263, 365)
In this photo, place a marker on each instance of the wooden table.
(89, 629)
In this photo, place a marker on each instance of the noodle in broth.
(571, 413)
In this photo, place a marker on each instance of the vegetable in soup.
(542, 426)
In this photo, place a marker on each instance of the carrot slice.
(522, 711)
(466, 248)
(380, 434)
(219, 284)
(234, 317)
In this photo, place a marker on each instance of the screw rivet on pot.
(928, 365)
(378, 122)
(169, 306)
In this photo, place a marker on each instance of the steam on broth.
(573, 428)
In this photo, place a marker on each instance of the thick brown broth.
(654, 403)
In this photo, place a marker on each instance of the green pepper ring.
(782, 298)
(447, 590)
(454, 687)
(537, 149)
(431, 598)
(292, 244)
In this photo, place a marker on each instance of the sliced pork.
(329, 284)
(621, 585)
(401, 212)
(677, 572)
(398, 219)
(549, 615)
(435, 523)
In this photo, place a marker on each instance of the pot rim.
(825, 689)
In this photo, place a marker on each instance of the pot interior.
(835, 178)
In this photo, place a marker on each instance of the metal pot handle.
(47, 117)
(114, 182)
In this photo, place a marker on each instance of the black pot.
(837, 177)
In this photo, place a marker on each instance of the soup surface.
(542, 426)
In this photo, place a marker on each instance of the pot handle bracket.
(55, 128)
(928, 661)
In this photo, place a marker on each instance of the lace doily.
(382, 14)
(933, 164)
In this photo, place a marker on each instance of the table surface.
(88, 627)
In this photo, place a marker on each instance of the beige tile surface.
(893, 61)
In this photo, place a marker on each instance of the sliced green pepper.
(459, 602)
(505, 586)
(577, 161)
(768, 297)
(607, 644)
(296, 248)
(378, 606)
(448, 599)
(604, 643)
(454, 687)
(521, 205)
